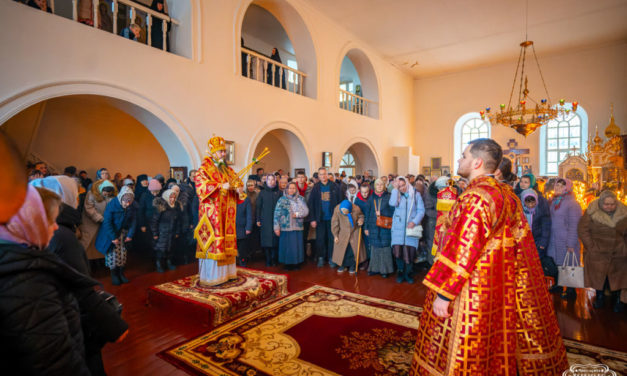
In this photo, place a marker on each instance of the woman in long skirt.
(289, 213)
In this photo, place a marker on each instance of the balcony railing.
(261, 68)
(152, 17)
(355, 103)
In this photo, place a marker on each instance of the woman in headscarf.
(565, 215)
(100, 321)
(278, 79)
(352, 190)
(40, 317)
(602, 230)
(99, 195)
(539, 220)
(156, 30)
(289, 213)
(408, 213)
(266, 203)
(346, 225)
(380, 238)
(166, 227)
(118, 228)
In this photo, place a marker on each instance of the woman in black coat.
(156, 31)
(101, 323)
(279, 78)
(40, 319)
(266, 203)
(166, 227)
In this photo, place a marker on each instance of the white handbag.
(570, 274)
(415, 232)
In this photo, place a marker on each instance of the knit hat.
(104, 184)
(154, 185)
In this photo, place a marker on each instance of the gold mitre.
(216, 143)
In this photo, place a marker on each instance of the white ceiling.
(451, 35)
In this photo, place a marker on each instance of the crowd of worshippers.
(385, 226)
(136, 30)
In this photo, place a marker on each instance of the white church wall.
(205, 95)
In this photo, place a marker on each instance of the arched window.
(467, 128)
(348, 164)
(566, 134)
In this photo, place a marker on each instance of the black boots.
(159, 265)
(618, 305)
(118, 277)
(123, 278)
(600, 299)
(169, 263)
(115, 277)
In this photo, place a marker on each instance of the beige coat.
(95, 206)
(605, 250)
(341, 229)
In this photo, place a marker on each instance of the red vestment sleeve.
(470, 223)
(206, 186)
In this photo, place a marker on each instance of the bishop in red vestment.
(487, 311)
(219, 191)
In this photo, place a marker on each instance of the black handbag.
(549, 267)
(111, 300)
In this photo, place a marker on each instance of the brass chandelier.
(528, 114)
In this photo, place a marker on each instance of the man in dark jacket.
(243, 228)
(266, 203)
(324, 197)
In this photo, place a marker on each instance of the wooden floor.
(152, 330)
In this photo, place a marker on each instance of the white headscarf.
(166, 196)
(349, 196)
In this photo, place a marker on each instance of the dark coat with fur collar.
(166, 224)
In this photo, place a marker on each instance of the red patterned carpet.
(324, 331)
(213, 306)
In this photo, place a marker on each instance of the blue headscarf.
(348, 206)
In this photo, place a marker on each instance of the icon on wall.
(230, 152)
(446, 170)
(436, 163)
(327, 159)
(178, 173)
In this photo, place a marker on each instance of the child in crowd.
(166, 227)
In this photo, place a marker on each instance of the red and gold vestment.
(502, 318)
(215, 232)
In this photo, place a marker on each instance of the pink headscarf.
(30, 224)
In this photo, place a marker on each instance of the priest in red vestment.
(487, 311)
(219, 191)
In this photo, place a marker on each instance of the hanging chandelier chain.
(548, 97)
(522, 73)
(511, 94)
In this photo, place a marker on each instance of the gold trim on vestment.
(456, 268)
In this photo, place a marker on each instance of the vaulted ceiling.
(432, 37)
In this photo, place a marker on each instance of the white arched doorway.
(298, 41)
(363, 158)
(170, 134)
(287, 150)
(355, 66)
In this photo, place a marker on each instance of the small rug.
(218, 304)
(324, 331)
